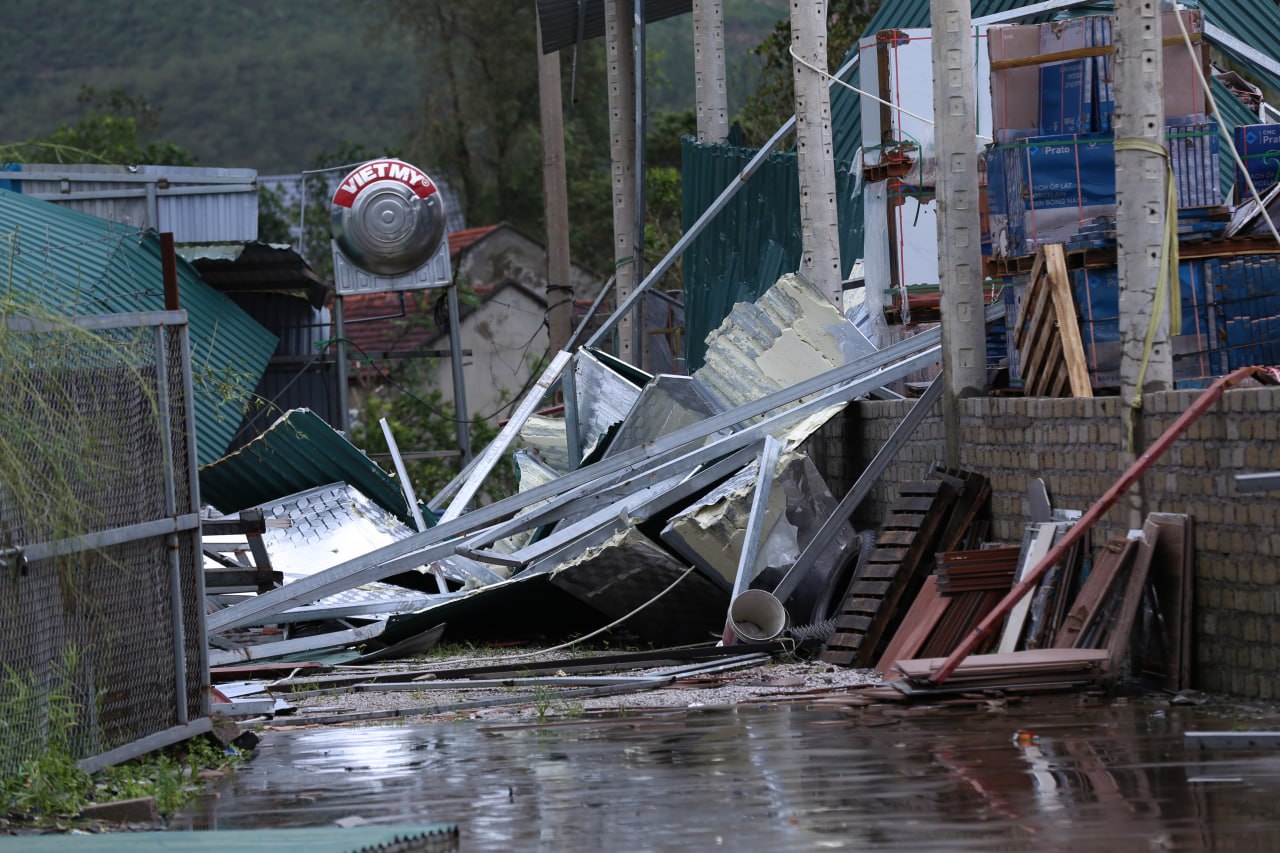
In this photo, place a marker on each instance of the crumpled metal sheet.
(791, 333)
(328, 525)
(666, 404)
(711, 532)
(604, 398)
(546, 439)
(627, 570)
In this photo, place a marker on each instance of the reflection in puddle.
(1047, 775)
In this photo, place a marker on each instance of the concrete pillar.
(820, 262)
(960, 273)
(709, 89)
(1141, 187)
(620, 59)
(555, 199)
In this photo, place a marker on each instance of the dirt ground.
(419, 699)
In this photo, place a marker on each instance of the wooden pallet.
(905, 545)
(1049, 346)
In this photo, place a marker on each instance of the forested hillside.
(273, 85)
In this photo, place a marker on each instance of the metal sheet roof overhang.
(559, 19)
(256, 267)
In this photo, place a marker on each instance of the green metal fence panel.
(756, 239)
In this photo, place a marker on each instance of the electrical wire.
(864, 93)
(594, 633)
(533, 376)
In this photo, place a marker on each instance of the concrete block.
(139, 810)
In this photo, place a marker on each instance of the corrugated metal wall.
(755, 239)
(79, 265)
(197, 204)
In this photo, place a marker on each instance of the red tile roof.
(460, 240)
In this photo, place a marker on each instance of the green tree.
(480, 113)
(773, 101)
(113, 128)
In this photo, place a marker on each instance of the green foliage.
(111, 129)
(273, 220)
(236, 83)
(170, 775)
(422, 419)
(40, 728)
(479, 115)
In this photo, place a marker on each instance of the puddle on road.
(1047, 775)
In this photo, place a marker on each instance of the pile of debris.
(675, 511)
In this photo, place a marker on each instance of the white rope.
(594, 633)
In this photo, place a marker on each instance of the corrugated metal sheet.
(75, 264)
(755, 239)
(198, 204)
(559, 19)
(299, 452)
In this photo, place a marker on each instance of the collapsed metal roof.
(65, 262)
(256, 267)
(300, 451)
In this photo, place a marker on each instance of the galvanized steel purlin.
(847, 381)
(114, 536)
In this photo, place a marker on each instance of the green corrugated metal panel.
(754, 240)
(299, 452)
(76, 264)
(1234, 114)
(368, 838)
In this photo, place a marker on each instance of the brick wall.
(1075, 446)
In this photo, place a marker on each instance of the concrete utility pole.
(960, 273)
(620, 56)
(820, 262)
(555, 199)
(1141, 188)
(710, 92)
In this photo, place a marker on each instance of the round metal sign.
(387, 217)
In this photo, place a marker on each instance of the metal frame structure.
(174, 526)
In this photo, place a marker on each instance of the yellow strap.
(1168, 286)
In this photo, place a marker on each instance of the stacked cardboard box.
(1052, 169)
(1259, 147)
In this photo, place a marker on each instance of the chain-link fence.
(101, 617)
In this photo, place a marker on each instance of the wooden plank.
(902, 538)
(925, 613)
(1170, 578)
(1116, 552)
(879, 571)
(887, 555)
(1011, 663)
(921, 488)
(970, 503)
(1119, 645)
(1068, 327)
(903, 521)
(910, 504)
(921, 548)
(1039, 540)
(1023, 327)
